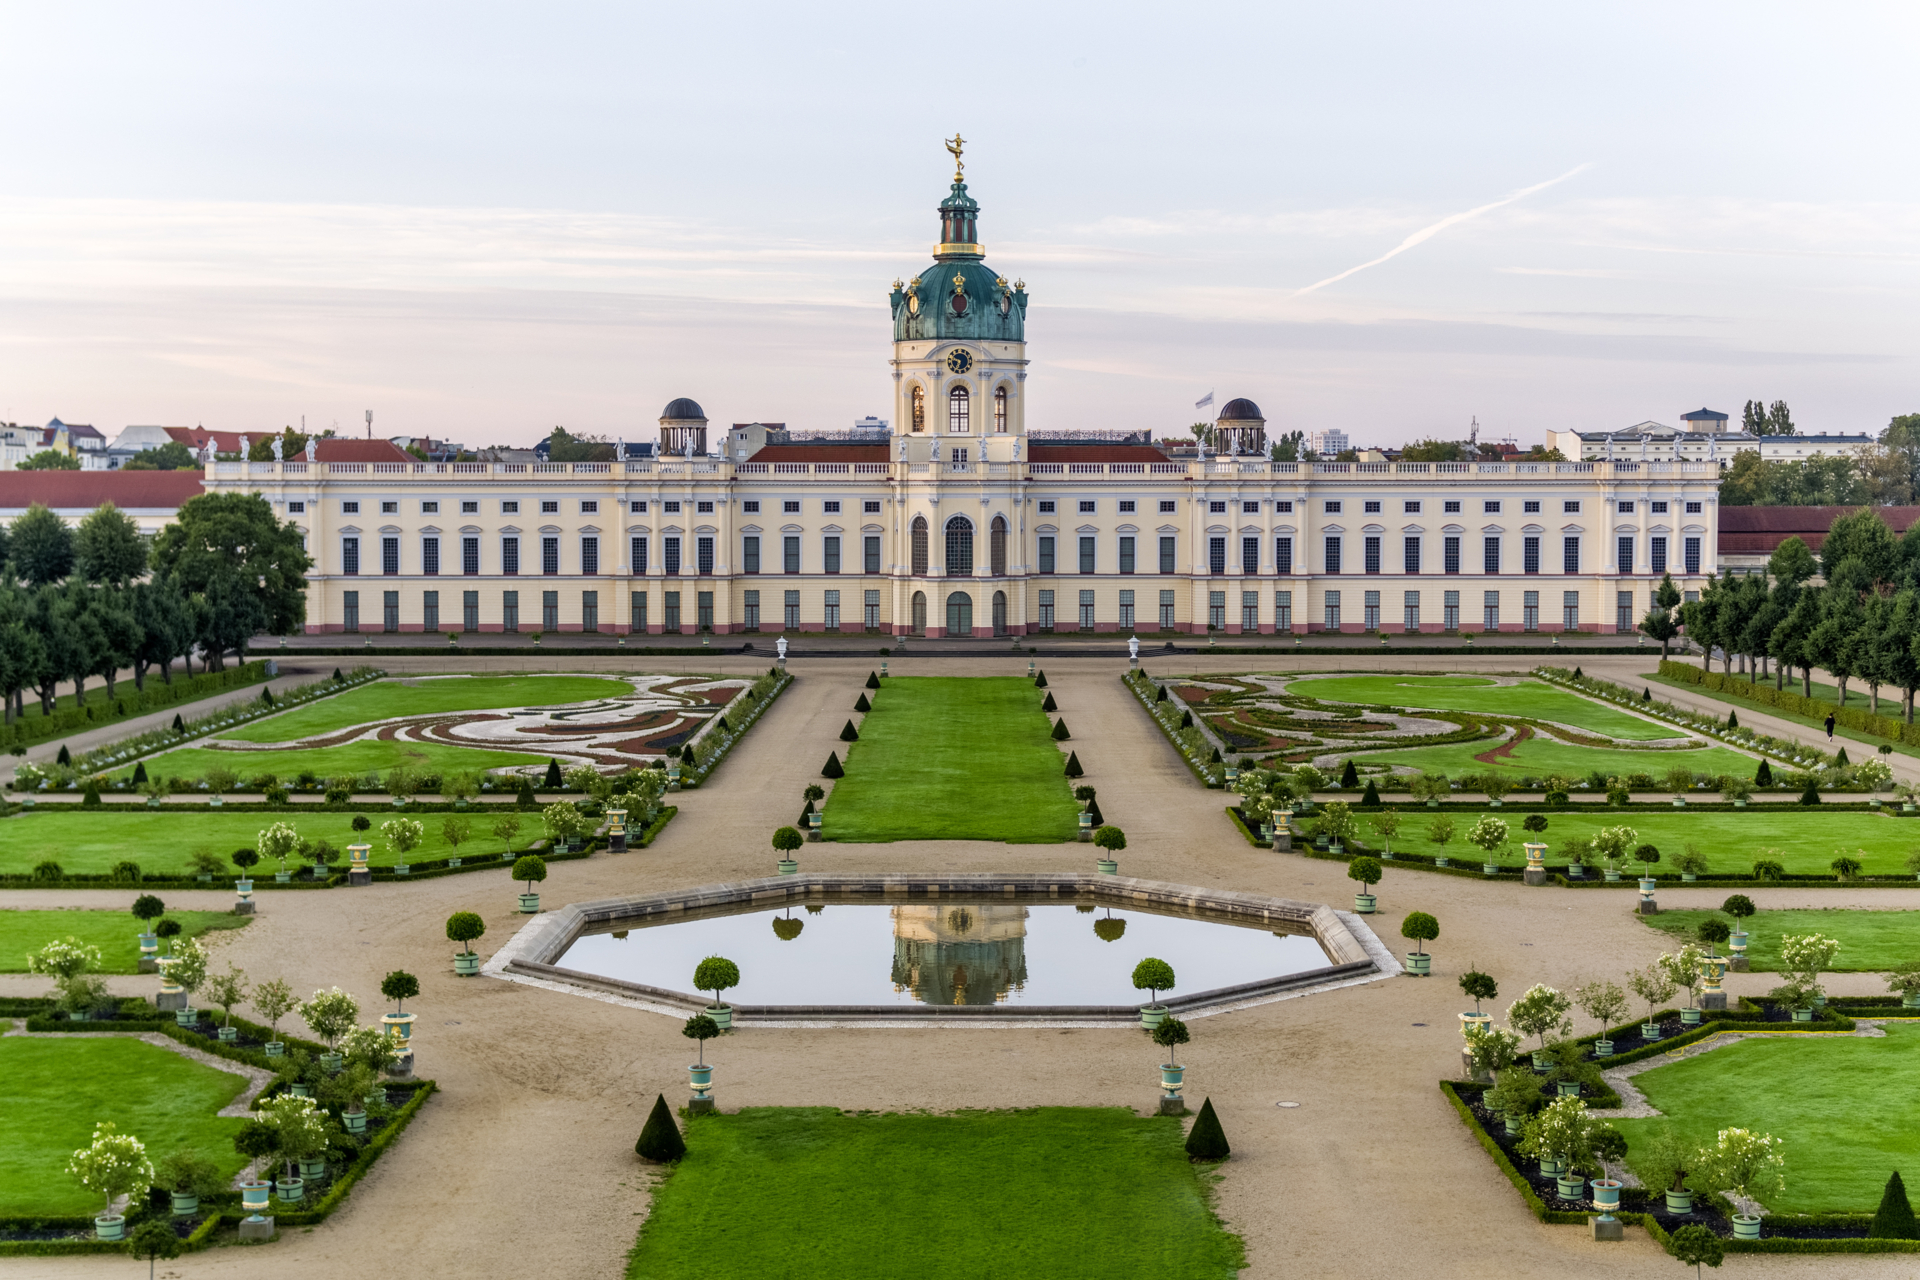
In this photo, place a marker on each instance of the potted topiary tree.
(1741, 908)
(466, 926)
(1646, 855)
(701, 1028)
(1477, 986)
(1367, 872)
(1337, 823)
(1606, 1004)
(188, 1175)
(455, 831)
(115, 1164)
(187, 969)
(227, 990)
(1490, 1051)
(1905, 982)
(399, 987)
(279, 842)
(505, 828)
(1683, 967)
(1516, 1094)
(1440, 832)
(1665, 1161)
(1387, 824)
(246, 860)
(717, 974)
(330, 1014)
(300, 1134)
(564, 824)
(1494, 786)
(1152, 976)
(786, 840)
(274, 1000)
(1169, 1034)
(1541, 1012)
(1112, 839)
(530, 869)
(1655, 986)
(1489, 833)
(1567, 1140)
(146, 908)
(1806, 957)
(1419, 927)
(1690, 862)
(1747, 1164)
(402, 835)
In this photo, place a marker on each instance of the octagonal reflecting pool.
(951, 952)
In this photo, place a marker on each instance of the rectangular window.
(389, 556)
(1490, 555)
(1657, 508)
(1126, 554)
(349, 508)
(1166, 555)
(549, 556)
(1279, 508)
(670, 555)
(430, 557)
(1530, 508)
(791, 622)
(1451, 506)
(1411, 553)
(589, 555)
(1692, 550)
(1490, 507)
(469, 610)
(1046, 554)
(1530, 611)
(390, 609)
(703, 555)
(470, 557)
(1332, 618)
(1623, 612)
(1046, 506)
(703, 611)
(1331, 508)
(1412, 604)
(1623, 552)
(1126, 610)
(1283, 611)
(549, 610)
(389, 508)
(791, 508)
(871, 506)
(1332, 563)
(637, 607)
(1370, 604)
(590, 507)
(640, 508)
(1166, 610)
(550, 508)
(1086, 610)
(1570, 605)
(750, 553)
(1216, 611)
(350, 610)
(1166, 507)
(1283, 555)
(1623, 508)
(1216, 555)
(1046, 610)
(1249, 611)
(510, 508)
(296, 508)
(1250, 555)
(1492, 607)
(670, 612)
(638, 551)
(872, 607)
(790, 553)
(1086, 508)
(1570, 554)
(870, 552)
(510, 557)
(1217, 508)
(1411, 508)
(510, 611)
(589, 610)
(750, 611)
(1530, 554)
(1126, 506)
(1656, 555)
(1369, 508)
(1370, 554)
(830, 508)
(1086, 555)
(832, 609)
(1450, 610)
(430, 611)
(1570, 507)
(350, 557)
(1450, 555)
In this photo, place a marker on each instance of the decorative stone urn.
(1171, 1077)
(1086, 827)
(243, 903)
(1648, 907)
(1107, 866)
(358, 870)
(1712, 969)
(399, 1029)
(673, 775)
(617, 831)
(701, 1080)
(1536, 872)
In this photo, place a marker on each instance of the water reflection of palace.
(958, 953)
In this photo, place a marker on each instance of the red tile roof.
(1096, 453)
(85, 490)
(821, 453)
(337, 450)
(1761, 530)
(196, 437)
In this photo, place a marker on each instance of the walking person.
(1829, 726)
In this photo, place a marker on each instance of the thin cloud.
(1427, 233)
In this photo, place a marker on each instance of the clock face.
(959, 361)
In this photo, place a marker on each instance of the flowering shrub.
(115, 1165)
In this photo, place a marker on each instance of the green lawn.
(1856, 698)
(390, 699)
(56, 1089)
(112, 931)
(813, 1192)
(163, 842)
(1846, 1110)
(1542, 757)
(1528, 698)
(359, 758)
(954, 758)
(1870, 941)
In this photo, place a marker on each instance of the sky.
(482, 220)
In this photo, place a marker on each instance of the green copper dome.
(958, 295)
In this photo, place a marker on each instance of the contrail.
(1427, 233)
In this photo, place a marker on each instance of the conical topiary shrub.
(1372, 796)
(1186, 719)
(1215, 757)
(660, 1139)
(1207, 1140)
(1578, 674)
(1093, 811)
(1763, 776)
(1841, 759)
(554, 780)
(1060, 733)
(686, 754)
(1811, 795)
(848, 733)
(1049, 704)
(1646, 693)
(1349, 776)
(1733, 719)
(1894, 1219)
(1161, 695)
(266, 696)
(337, 675)
(65, 756)
(1040, 681)
(1073, 764)
(873, 680)
(139, 773)
(179, 726)
(863, 705)
(833, 769)
(526, 799)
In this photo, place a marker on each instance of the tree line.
(1860, 623)
(1886, 474)
(94, 600)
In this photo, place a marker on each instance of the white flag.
(1204, 401)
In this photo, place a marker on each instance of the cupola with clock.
(959, 333)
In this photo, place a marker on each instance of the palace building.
(963, 518)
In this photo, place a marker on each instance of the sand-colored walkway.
(523, 1165)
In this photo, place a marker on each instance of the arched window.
(920, 546)
(999, 613)
(919, 613)
(959, 614)
(959, 547)
(919, 409)
(958, 420)
(997, 546)
(1000, 409)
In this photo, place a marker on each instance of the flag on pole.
(1204, 401)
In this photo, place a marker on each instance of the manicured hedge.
(376, 1145)
(1817, 709)
(128, 702)
(198, 1239)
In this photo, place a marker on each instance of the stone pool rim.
(1357, 955)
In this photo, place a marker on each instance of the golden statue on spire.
(955, 144)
